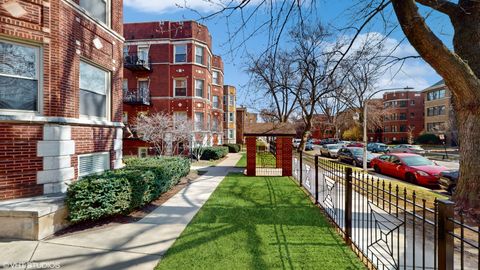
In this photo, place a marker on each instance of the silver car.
(407, 148)
(330, 150)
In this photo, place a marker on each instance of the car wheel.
(411, 178)
(376, 169)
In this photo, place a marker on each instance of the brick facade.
(43, 145)
(159, 39)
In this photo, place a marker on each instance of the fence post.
(348, 205)
(316, 179)
(445, 234)
(301, 168)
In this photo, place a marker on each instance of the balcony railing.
(138, 96)
(137, 61)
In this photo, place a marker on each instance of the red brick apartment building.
(322, 127)
(170, 67)
(404, 116)
(60, 93)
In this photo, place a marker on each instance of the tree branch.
(443, 6)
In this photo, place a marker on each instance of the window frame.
(175, 53)
(108, 94)
(202, 122)
(203, 88)
(217, 104)
(175, 87)
(108, 13)
(215, 80)
(38, 77)
(203, 55)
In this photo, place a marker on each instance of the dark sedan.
(354, 156)
(448, 181)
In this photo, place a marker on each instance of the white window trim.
(186, 86)
(140, 149)
(92, 154)
(39, 77)
(195, 88)
(108, 108)
(175, 53)
(203, 55)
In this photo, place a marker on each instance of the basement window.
(93, 163)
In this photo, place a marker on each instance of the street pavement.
(137, 245)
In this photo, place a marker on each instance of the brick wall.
(18, 160)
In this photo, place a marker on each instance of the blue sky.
(414, 73)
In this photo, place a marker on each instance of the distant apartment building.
(404, 116)
(439, 115)
(322, 127)
(170, 67)
(243, 118)
(229, 108)
(60, 93)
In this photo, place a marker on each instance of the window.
(412, 115)
(199, 122)
(179, 117)
(215, 124)
(394, 128)
(412, 102)
(438, 94)
(402, 103)
(434, 111)
(199, 88)
(180, 53)
(231, 101)
(125, 118)
(208, 121)
(435, 127)
(208, 61)
(230, 133)
(99, 9)
(199, 55)
(125, 85)
(403, 116)
(215, 78)
(403, 128)
(142, 52)
(231, 117)
(19, 77)
(216, 102)
(180, 87)
(94, 84)
(209, 91)
(143, 152)
(93, 163)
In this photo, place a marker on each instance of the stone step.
(32, 218)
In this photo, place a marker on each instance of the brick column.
(279, 152)
(286, 156)
(251, 155)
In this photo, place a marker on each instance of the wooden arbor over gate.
(281, 133)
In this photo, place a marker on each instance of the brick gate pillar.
(279, 152)
(286, 156)
(251, 155)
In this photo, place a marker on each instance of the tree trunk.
(308, 127)
(467, 195)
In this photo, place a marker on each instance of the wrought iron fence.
(387, 226)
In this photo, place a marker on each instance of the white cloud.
(163, 6)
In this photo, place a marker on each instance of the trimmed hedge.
(428, 138)
(233, 148)
(214, 153)
(119, 192)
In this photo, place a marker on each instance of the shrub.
(233, 148)
(214, 153)
(428, 138)
(121, 191)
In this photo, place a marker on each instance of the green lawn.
(264, 159)
(259, 223)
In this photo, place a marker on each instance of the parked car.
(354, 144)
(330, 150)
(309, 146)
(354, 156)
(409, 167)
(316, 141)
(377, 147)
(448, 180)
(296, 143)
(407, 148)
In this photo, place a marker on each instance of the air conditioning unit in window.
(93, 163)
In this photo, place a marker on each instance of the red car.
(410, 167)
(355, 144)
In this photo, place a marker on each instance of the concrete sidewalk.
(138, 245)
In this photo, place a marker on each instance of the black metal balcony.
(137, 96)
(137, 61)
